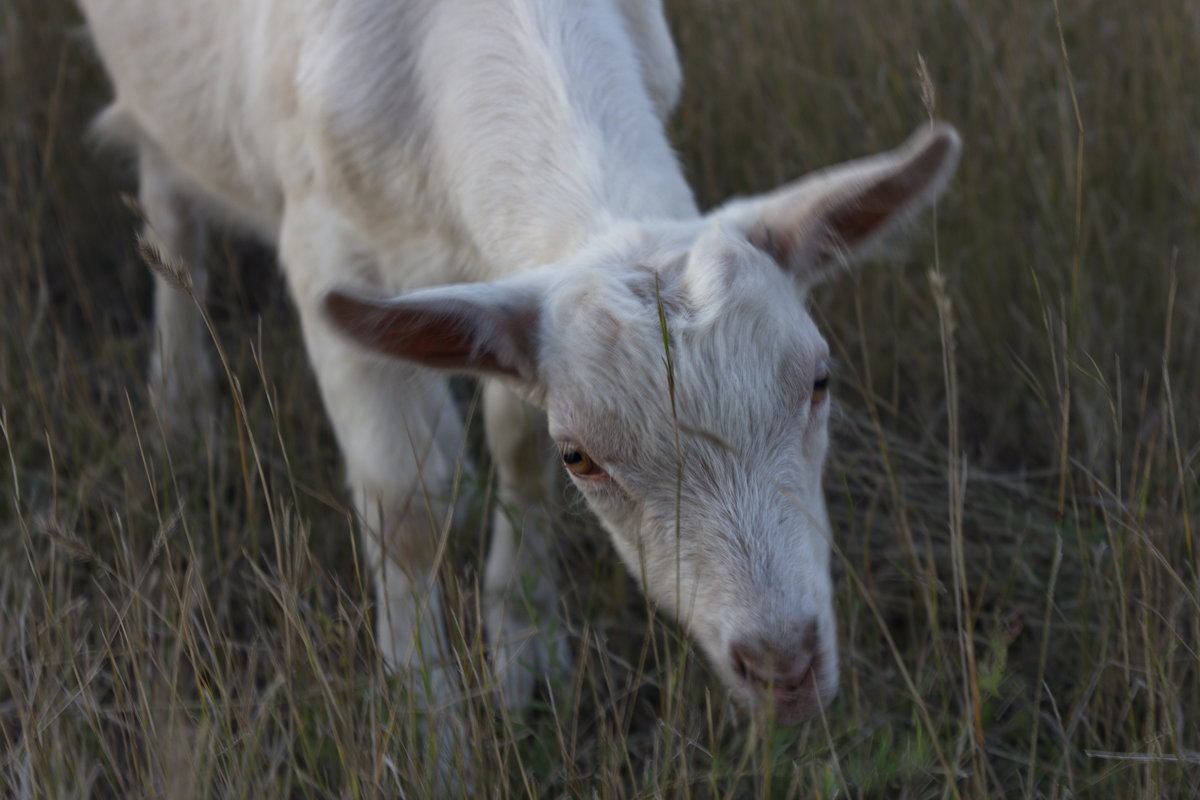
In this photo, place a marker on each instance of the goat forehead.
(741, 374)
(715, 296)
(752, 332)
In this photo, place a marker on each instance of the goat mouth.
(798, 706)
(788, 702)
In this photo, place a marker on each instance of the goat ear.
(489, 328)
(832, 217)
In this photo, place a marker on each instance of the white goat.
(519, 144)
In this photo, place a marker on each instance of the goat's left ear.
(488, 328)
(832, 217)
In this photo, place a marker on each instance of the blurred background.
(1013, 480)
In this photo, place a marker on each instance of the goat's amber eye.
(820, 387)
(580, 463)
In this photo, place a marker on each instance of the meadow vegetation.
(1014, 479)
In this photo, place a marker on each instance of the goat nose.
(783, 669)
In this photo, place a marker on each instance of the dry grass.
(1014, 485)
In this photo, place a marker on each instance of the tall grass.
(1014, 479)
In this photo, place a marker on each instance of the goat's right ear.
(832, 217)
(489, 328)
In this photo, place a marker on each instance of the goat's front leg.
(524, 630)
(181, 369)
(402, 440)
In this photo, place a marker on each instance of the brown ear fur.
(445, 333)
(823, 220)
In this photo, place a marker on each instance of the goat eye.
(820, 387)
(580, 463)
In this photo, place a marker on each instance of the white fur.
(396, 145)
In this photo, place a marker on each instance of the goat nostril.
(805, 680)
(750, 663)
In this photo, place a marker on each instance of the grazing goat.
(486, 187)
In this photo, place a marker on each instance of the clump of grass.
(1015, 495)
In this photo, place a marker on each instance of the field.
(1014, 483)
